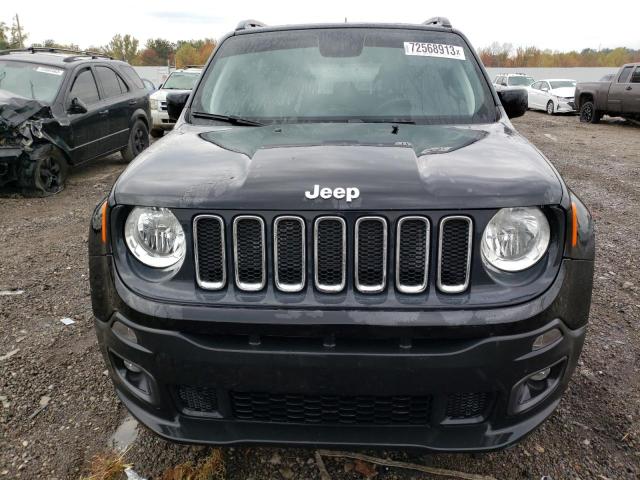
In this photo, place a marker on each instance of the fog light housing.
(536, 387)
(547, 338)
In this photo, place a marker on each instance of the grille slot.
(412, 254)
(208, 234)
(198, 399)
(454, 254)
(330, 254)
(468, 405)
(371, 254)
(289, 252)
(249, 252)
(331, 409)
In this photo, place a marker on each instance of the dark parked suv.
(344, 241)
(60, 108)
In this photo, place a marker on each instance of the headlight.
(515, 238)
(154, 236)
(154, 104)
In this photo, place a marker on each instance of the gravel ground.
(58, 408)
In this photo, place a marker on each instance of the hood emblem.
(348, 193)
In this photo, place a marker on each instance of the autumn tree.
(4, 40)
(123, 47)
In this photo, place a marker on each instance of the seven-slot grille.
(328, 264)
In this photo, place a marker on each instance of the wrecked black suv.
(60, 108)
(344, 241)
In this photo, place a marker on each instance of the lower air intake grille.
(371, 254)
(462, 406)
(455, 254)
(330, 253)
(363, 410)
(210, 251)
(198, 399)
(249, 253)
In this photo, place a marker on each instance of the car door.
(534, 93)
(115, 93)
(631, 100)
(618, 90)
(88, 129)
(544, 95)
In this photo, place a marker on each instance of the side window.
(624, 76)
(544, 86)
(123, 85)
(133, 76)
(635, 78)
(497, 80)
(536, 86)
(109, 81)
(84, 87)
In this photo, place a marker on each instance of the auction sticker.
(50, 71)
(434, 50)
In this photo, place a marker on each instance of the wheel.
(50, 173)
(589, 114)
(138, 141)
(550, 107)
(157, 132)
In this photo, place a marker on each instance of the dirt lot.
(58, 408)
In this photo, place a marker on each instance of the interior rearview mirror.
(515, 102)
(175, 104)
(78, 106)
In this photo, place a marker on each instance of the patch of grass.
(210, 468)
(107, 466)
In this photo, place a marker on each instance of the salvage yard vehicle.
(618, 97)
(179, 80)
(553, 96)
(343, 241)
(507, 81)
(60, 108)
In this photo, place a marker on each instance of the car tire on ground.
(50, 174)
(588, 113)
(550, 107)
(138, 141)
(157, 132)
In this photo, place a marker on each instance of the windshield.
(562, 83)
(346, 74)
(520, 81)
(30, 80)
(181, 81)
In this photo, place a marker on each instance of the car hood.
(161, 95)
(15, 110)
(408, 167)
(563, 92)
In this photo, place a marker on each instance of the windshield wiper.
(227, 118)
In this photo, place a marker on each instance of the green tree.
(164, 49)
(187, 54)
(123, 47)
(4, 41)
(17, 35)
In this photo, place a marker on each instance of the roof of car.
(311, 26)
(52, 57)
(557, 80)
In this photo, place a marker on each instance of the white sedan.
(553, 96)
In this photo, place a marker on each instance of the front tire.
(550, 107)
(588, 113)
(138, 141)
(50, 174)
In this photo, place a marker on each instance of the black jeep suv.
(60, 108)
(344, 241)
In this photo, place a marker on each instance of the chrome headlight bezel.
(531, 220)
(168, 230)
(154, 103)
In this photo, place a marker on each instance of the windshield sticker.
(433, 50)
(50, 71)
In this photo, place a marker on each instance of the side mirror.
(78, 106)
(175, 104)
(515, 102)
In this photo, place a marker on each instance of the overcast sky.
(558, 25)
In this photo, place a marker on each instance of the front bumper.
(10, 158)
(565, 106)
(195, 382)
(160, 120)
